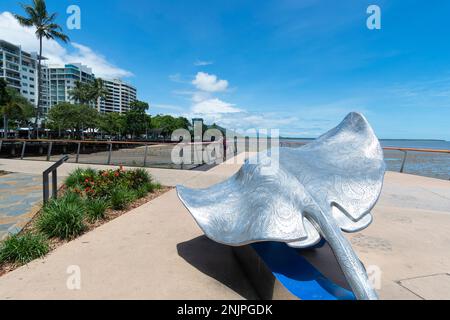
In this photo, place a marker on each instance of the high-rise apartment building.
(62, 81)
(19, 69)
(119, 98)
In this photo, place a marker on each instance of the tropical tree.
(74, 117)
(87, 119)
(169, 124)
(112, 123)
(38, 17)
(137, 120)
(80, 94)
(89, 92)
(14, 108)
(58, 117)
(3, 92)
(98, 89)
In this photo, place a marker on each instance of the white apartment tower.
(19, 69)
(62, 81)
(119, 98)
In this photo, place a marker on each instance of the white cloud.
(310, 120)
(200, 63)
(200, 96)
(12, 31)
(209, 83)
(247, 121)
(205, 104)
(214, 106)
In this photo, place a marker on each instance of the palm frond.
(50, 19)
(37, 16)
(41, 8)
(59, 35)
(23, 21)
(31, 12)
(53, 26)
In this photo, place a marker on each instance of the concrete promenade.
(158, 252)
(20, 200)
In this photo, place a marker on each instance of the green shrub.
(96, 208)
(139, 178)
(77, 189)
(121, 197)
(21, 249)
(74, 178)
(63, 218)
(157, 186)
(142, 192)
(79, 176)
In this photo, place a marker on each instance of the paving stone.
(20, 194)
(435, 287)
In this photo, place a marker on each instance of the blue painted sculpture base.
(298, 276)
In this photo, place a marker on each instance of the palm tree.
(38, 17)
(98, 90)
(90, 92)
(80, 93)
(86, 94)
(4, 99)
(14, 107)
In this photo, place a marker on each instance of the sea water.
(434, 165)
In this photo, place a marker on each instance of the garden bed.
(87, 200)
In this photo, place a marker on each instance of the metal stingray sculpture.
(317, 191)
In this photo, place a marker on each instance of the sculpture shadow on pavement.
(218, 262)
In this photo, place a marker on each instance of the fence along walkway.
(142, 154)
(151, 154)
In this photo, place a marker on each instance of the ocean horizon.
(433, 165)
(434, 144)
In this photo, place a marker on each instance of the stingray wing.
(249, 207)
(342, 170)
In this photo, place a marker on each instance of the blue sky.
(299, 66)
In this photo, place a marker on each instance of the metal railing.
(47, 147)
(76, 149)
(45, 179)
(50, 145)
(406, 150)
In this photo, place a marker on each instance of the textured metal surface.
(315, 191)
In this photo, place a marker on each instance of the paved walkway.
(158, 252)
(20, 197)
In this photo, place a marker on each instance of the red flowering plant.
(90, 183)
